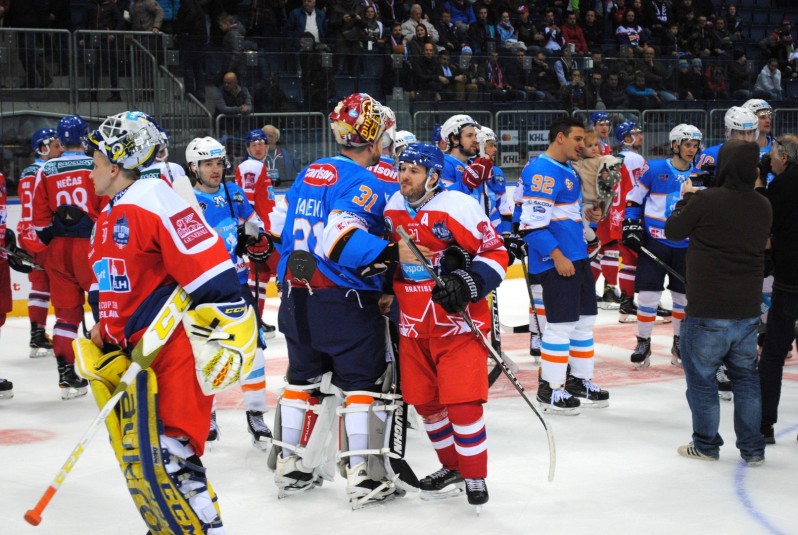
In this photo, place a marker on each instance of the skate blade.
(367, 502)
(268, 335)
(449, 491)
(627, 318)
(73, 393)
(664, 319)
(594, 404)
(287, 492)
(536, 360)
(40, 352)
(262, 445)
(6, 395)
(557, 411)
(725, 396)
(603, 305)
(676, 362)
(478, 509)
(642, 365)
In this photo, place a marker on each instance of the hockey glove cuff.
(454, 258)
(480, 170)
(632, 236)
(388, 256)
(516, 247)
(459, 287)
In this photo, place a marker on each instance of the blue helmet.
(256, 135)
(72, 130)
(625, 129)
(428, 156)
(40, 137)
(598, 116)
(436, 134)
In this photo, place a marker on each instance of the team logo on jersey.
(238, 197)
(189, 227)
(569, 184)
(111, 275)
(440, 231)
(489, 237)
(249, 181)
(203, 206)
(664, 177)
(121, 233)
(320, 175)
(460, 169)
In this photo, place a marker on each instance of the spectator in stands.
(170, 9)
(563, 67)
(656, 16)
(543, 77)
(493, 10)
(309, 19)
(495, 83)
(318, 83)
(192, 36)
(574, 95)
(598, 63)
(397, 41)
(518, 79)
(768, 83)
(418, 18)
(552, 35)
(671, 44)
(482, 35)
(593, 29)
(655, 74)
(425, 75)
(345, 27)
(626, 65)
(780, 43)
(717, 86)
(722, 34)
(233, 99)
(733, 22)
(462, 16)
(146, 16)
(572, 34)
(508, 36)
(613, 94)
(687, 27)
(375, 32)
(739, 76)
(698, 83)
(641, 96)
(268, 96)
(416, 44)
(447, 33)
(704, 42)
(449, 77)
(234, 44)
(527, 32)
(630, 33)
(682, 80)
(106, 16)
(279, 162)
(474, 82)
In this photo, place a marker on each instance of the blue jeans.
(706, 344)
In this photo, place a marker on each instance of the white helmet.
(742, 120)
(403, 139)
(757, 105)
(390, 133)
(484, 134)
(130, 139)
(204, 148)
(454, 125)
(685, 132)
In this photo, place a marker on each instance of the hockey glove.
(224, 339)
(593, 247)
(11, 240)
(459, 287)
(247, 234)
(21, 261)
(454, 258)
(480, 170)
(632, 236)
(516, 247)
(260, 250)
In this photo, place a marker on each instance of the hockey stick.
(154, 338)
(493, 354)
(515, 329)
(495, 326)
(658, 260)
(21, 259)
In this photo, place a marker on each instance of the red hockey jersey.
(253, 177)
(26, 233)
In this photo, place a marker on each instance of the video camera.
(704, 177)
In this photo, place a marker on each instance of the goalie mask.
(359, 120)
(130, 139)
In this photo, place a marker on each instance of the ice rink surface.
(617, 468)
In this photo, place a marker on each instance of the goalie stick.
(154, 338)
(505, 368)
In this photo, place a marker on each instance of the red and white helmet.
(359, 120)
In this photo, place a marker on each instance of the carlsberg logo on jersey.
(324, 174)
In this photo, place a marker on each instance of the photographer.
(782, 193)
(725, 251)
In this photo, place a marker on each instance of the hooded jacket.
(728, 227)
(783, 195)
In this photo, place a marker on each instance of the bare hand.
(406, 256)
(96, 337)
(564, 266)
(384, 303)
(687, 187)
(593, 214)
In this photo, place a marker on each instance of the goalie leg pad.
(165, 494)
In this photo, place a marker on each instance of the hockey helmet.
(454, 125)
(436, 134)
(741, 120)
(255, 135)
(428, 156)
(403, 139)
(484, 134)
(598, 117)
(204, 148)
(390, 133)
(757, 106)
(685, 132)
(358, 120)
(72, 130)
(43, 136)
(130, 139)
(627, 128)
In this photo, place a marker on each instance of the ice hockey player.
(227, 210)
(252, 176)
(551, 225)
(65, 208)
(499, 205)
(600, 122)
(6, 303)
(443, 372)
(148, 240)
(330, 236)
(648, 206)
(764, 115)
(463, 170)
(403, 139)
(739, 123)
(46, 146)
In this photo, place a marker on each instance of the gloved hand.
(454, 258)
(10, 240)
(260, 250)
(459, 287)
(593, 247)
(516, 246)
(632, 236)
(480, 170)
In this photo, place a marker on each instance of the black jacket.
(783, 195)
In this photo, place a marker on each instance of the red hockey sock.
(440, 432)
(470, 439)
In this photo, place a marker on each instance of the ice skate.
(588, 392)
(665, 314)
(6, 389)
(269, 331)
(40, 344)
(557, 400)
(534, 347)
(627, 310)
(641, 357)
(724, 384)
(441, 484)
(364, 492)
(290, 480)
(214, 433)
(477, 492)
(676, 352)
(611, 299)
(71, 385)
(261, 434)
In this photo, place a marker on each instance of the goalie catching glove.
(224, 338)
(459, 287)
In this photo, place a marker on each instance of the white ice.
(617, 468)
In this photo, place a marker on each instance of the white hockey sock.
(647, 303)
(292, 419)
(253, 386)
(677, 314)
(540, 309)
(581, 348)
(554, 349)
(357, 430)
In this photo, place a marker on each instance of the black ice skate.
(627, 311)
(641, 357)
(477, 492)
(557, 400)
(441, 484)
(269, 331)
(610, 300)
(261, 434)
(40, 344)
(214, 434)
(534, 347)
(6, 389)
(724, 384)
(71, 385)
(676, 351)
(665, 314)
(588, 392)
